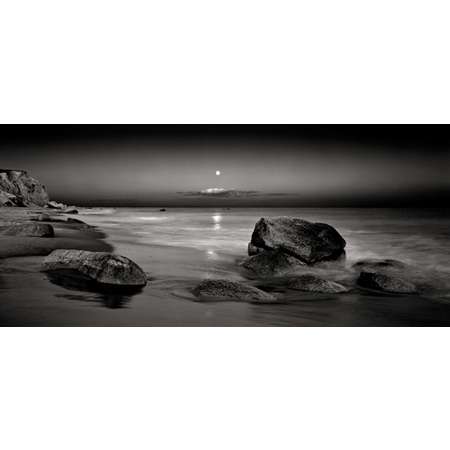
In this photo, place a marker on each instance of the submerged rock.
(272, 263)
(29, 230)
(232, 290)
(311, 283)
(17, 188)
(306, 241)
(385, 283)
(381, 265)
(104, 268)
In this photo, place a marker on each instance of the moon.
(217, 172)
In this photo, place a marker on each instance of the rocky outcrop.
(231, 290)
(29, 230)
(17, 188)
(311, 283)
(385, 283)
(309, 242)
(272, 263)
(103, 268)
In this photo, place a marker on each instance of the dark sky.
(260, 165)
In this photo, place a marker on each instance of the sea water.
(181, 246)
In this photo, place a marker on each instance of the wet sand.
(70, 235)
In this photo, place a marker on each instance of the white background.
(224, 62)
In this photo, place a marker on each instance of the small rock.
(272, 263)
(232, 290)
(71, 210)
(104, 268)
(56, 205)
(385, 283)
(162, 209)
(375, 265)
(311, 283)
(29, 230)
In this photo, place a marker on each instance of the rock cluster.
(280, 245)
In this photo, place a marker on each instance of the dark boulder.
(29, 230)
(306, 241)
(272, 263)
(311, 283)
(104, 268)
(231, 290)
(385, 283)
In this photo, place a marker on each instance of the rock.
(162, 209)
(252, 250)
(17, 188)
(307, 241)
(103, 268)
(379, 265)
(272, 263)
(56, 205)
(385, 283)
(7, 199)
(311, 283)
(29, 230)
(71, 210)
(232, 290)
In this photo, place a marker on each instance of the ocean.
(181, 246)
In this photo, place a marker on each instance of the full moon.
(217, 172)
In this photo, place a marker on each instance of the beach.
(180, 247)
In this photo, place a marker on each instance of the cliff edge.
(17, 188)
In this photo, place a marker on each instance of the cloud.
(220, 192)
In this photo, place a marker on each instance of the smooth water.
(179, 247)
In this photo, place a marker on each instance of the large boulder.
(29, 230)
(231, 290)
(309, 242)
(17, 188)
(311, 283)
(103, 268)
(272, 263)
(385, 283)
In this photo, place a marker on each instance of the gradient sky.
(260, 165)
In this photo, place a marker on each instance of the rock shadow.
(110, 296)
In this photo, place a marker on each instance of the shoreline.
(68, 234)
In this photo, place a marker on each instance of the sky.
(341, 165)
